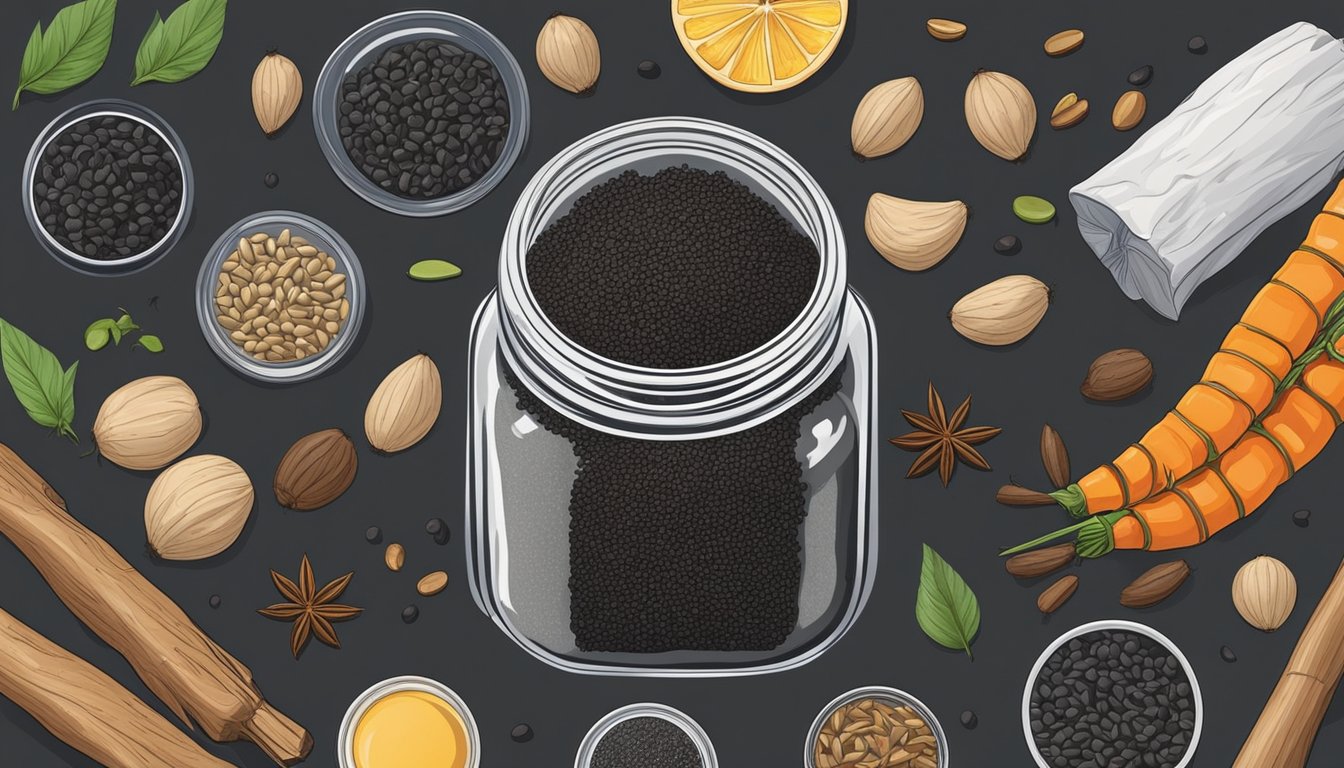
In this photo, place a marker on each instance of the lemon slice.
(760, 46)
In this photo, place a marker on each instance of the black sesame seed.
(216, 601)
(1141, 76)
(409, 614)
(969, 720)
(1197, 45)
(1228, 655)
(438, 529)
(649, 69)
(521, 733)
(426, 119)
(1302, 518)
(647, 742)
(271, 180)
(373, 535)
(106, 188)
(1007, 245)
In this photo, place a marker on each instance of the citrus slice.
(760, 46)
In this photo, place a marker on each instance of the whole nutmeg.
(277, 88)
(197, 508)
(1264, 592)
(913, 235)
(1001, 114)
(1116, 375)
(568, 53)
(405, 406)
(1002, 312)
(148, 423)
(887, 117)
(316, 470)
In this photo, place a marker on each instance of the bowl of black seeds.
(107, 187)
(421, 113)
(1112, 694)
(648, 736)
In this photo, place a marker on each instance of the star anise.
(942, 440)
(311, 609)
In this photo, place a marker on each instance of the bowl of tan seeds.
(280, 298)
(876, 726)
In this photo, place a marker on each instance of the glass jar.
(520, 475)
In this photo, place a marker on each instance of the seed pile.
(646, 742)
(425, 120)
(874, 732)
(280, 298)
(1112, 699)
(675, 270)
(108, 188)
(684, 544)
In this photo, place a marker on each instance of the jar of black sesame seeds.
(671, 411)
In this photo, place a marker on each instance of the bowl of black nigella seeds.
(646, 735)
(1112, 694)
(107, 187)
(421, 113)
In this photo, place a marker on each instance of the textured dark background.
(758, 722)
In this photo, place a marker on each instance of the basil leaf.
(151, 343)
(181, 45)
(125, 323)
(98, 334)
(946, 607)
(72, 49)
(45, 391)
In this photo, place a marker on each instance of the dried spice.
(943, 440)
(1041, 562)
(1001, 114)
(1053, 597)
(1116, 375)
(316, 470)
(277, 88)
(197, 508)
(647, 742)
(1002, 312)
(405, 406)
(1063, 43)
(1264, 592)
(876, 732)
(568, 53)
(394, 557)
(886, 118)
(1015, 495)
(1054, 456)
(148, 423)
(432, 583)
(311, 609)
(911, 234)
(1129, 110)
(946, 30)
(1155, 585)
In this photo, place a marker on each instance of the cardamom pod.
(277, 89)
(405, 406)
(1001, 114)
(886, 118)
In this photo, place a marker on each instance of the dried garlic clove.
(1002, 312)
(1001, 114)
(914, 235)
(1264, 592)
(568, 53)
(887, 117)
(197, 508)
(277, 88)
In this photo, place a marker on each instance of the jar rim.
(720, 397)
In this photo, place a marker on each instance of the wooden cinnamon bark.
(198, 680)
(88, 710)
(1283, 735)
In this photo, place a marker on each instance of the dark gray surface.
(754, 722)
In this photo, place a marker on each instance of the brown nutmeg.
(316, 470)
(1116, 375)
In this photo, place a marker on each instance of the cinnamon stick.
(1283, 735)
(88, 710)
(198, 680)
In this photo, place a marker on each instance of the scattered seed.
(649, 69)
(521, 733)
(432, 583)
(431, 270)
(1227, 655)
(1064, 43)
(373, 535)
(1070, 115)
(216, 601)
(969, 720)
(1198, 45)
(1057, 594)
(409, 614)
(1141, 76)
(1008, 245)
(271, 180)
(1302, 518)
(1129, 110)
(1033, 210)
(394, 557)
(946, 29)
(438, 530)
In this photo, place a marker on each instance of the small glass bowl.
(320, 235)
(112, 108)
(892, 696)
(1112, 625)
(345, 740)
(364, 46)
(602, 727)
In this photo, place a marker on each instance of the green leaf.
(151, 343)
(125, 323)
(97, 335)
(44, 390)
(946, 607)
(431, 270)
(180, 46)
(71, 51)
